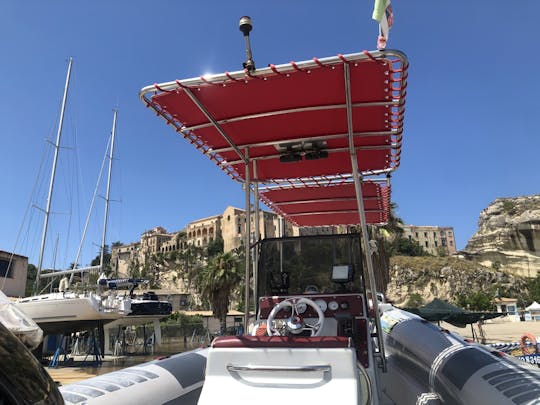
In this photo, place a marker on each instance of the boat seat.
(293, 369)
(318, 342)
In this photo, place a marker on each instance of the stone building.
(13, 271)
(152, 240)
(436, 240)
(229, 225)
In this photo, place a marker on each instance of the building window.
(416, 234)
(451, 243)
(410, 237)
(436, 244)
(434, 234)
(426, 243)
(425, 234)
(5, 269)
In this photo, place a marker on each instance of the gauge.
(301, 307)
(333, 305)
(322, 304)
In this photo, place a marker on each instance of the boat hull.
(65, 313)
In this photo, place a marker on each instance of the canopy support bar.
(383, 103)
(247, 185)
(362, 216)
(215, 124)
(312, 138)
(257, 236)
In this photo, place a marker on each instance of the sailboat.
(70, 311)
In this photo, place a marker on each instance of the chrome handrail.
(323, 368)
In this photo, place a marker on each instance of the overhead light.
(290, 157)
(316, 154)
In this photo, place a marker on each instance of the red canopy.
(294, 122)
(315, 205)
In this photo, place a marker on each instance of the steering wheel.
(295, 324)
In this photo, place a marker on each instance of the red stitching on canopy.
(181, 85)
(232, 78)
(318, 62)
(160, 89)
(248, 73)
(208, 82)
(274, 69)
(295, 66)
(370, 56)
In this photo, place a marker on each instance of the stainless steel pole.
(257, 234)
(247, 183)
(362, 216)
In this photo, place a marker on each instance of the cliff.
(508, 236)
(446, 278)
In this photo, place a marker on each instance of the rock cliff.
(446, 278)
(508, 236)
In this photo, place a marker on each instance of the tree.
(30, 279)
(408, 247)
(217, 282)
(534, 289)
(394, 226)
(476, 301)
(415, 300)
(215, 247)
(106, 265)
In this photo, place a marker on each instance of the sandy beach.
(499, 331)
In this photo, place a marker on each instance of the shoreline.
(498, 331)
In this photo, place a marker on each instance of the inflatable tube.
(425, 360)
(528, 344)
(176, 379)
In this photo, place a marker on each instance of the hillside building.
(436, 240)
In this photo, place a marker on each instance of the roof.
(295, 127)
(503, 299)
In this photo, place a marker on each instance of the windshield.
(308, 265)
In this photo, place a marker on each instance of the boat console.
(311, 299)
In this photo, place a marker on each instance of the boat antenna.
(246, 26)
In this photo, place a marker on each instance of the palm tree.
(217, 282)
(395, 223)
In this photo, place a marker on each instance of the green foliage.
(534, 289)
(106, 260)
(30, 279)
(394, 225)
(415, 300)
(476, 301)
(407, 247)
(214, 247)
(188, 323)
(217, 281)
(496, 265)
(509, 207)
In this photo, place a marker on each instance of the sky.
(470, 133)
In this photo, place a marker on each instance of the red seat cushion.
(319, 342)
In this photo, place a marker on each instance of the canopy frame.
(223, 135)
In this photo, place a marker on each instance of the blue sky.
(470, 128)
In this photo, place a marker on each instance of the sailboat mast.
(53, 174)
(107, 195)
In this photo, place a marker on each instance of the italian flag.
(382, 12)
